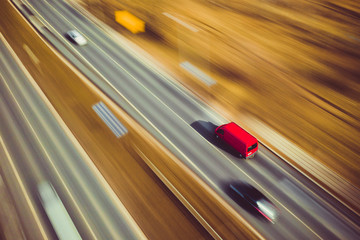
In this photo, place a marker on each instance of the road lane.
(53, 157)
(183, 127)
(160, 215)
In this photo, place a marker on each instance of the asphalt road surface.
(40, 150)
(185, 125)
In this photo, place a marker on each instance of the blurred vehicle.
(256, 199)
(77, 37)
(238, 138)
(130, 22)
(56, 212)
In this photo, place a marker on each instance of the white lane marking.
(104, 183)
(168, 79)
(121, 67)
(140, 113)
(179, 88)
(110, 119)
(178, 194)
(188, 160)
(157, 69)
(313, 194)
(22, 187)
(313, 208)
(281, 138)
(28, 75)
(214, 185)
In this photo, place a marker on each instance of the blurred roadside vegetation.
(294, 64)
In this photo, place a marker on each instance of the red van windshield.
(252, 147)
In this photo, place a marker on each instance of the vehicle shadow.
(207, 130)
(67, 37)
(241, 201)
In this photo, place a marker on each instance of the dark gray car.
(256, 199)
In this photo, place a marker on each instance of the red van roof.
(240, 133)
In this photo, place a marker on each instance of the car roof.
(74, 33)
(239, 133)
(249, 190)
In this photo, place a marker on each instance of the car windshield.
(74, 34)
(252, 147)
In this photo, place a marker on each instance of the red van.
(238, 138)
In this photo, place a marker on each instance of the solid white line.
(172, 82)
(308, 177)
(149, 63)
(144, 63)
(111, 124)
(22, 187)
(138, 111)
(28, 75)
(314, 195)
(188, 160)
(82, 152)
(178, 194)
(185, 92)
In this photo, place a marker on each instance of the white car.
(77, 37)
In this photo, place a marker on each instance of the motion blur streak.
(62, 160)
(39, 225)
(170, 217)
(182, 124)
(187, 129)
(39, 141)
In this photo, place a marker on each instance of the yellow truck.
(129, 21)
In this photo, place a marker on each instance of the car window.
(73, 34)
(221, 131)
(252, 147)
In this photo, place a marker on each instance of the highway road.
(185, 126)
(38, 149)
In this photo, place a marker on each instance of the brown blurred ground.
(153, 206)
(10, 226)
(294, 64)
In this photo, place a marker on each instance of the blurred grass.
(153, 206)
(294, 64)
